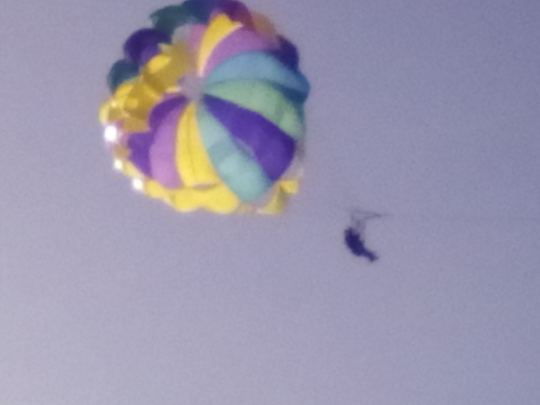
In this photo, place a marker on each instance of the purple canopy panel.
(139, 146)
(162, 154)
(242, 40)
(269, 145)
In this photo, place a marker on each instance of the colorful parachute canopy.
(206, 110)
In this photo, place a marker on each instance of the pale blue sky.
(425, 110)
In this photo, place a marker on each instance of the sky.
(424, 111)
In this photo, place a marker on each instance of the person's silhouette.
(357, 246)
(354, 234)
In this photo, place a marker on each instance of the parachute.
(207, 110)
